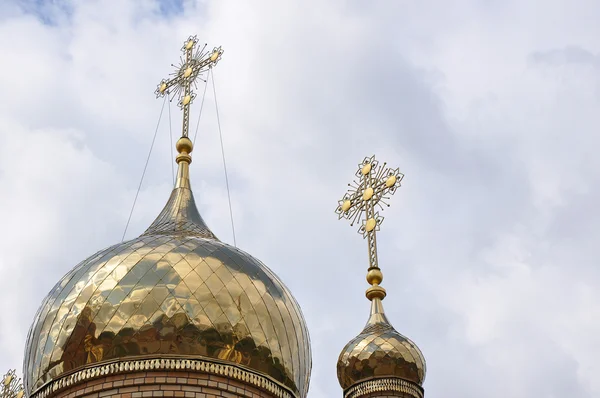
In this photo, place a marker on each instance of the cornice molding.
(208, 366)
(382, 385)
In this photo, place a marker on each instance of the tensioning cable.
(145, 167)
(171, 147)
(201, 106)
(212, 75)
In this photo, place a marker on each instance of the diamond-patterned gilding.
(161, 304)
(175, 290)
(380, 351)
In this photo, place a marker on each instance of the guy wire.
(201, 106)
(145, 167)
(171, 147)
(212, 75)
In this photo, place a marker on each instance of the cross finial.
(197, 60)
(11, 386)
(375, 182)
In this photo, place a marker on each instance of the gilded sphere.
(184, 145)
(380, 352)
(374, 276)
(160, 295)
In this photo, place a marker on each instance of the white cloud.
(489, 250)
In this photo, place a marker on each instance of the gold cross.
(374, 183)
(11, 386)
(197, 61)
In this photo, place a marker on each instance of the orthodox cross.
(11, 386)
(197, 61)
(375, 182)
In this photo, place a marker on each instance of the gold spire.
(180, 215)
(374, 183)
(379, 360)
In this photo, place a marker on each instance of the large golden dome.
(175, 291)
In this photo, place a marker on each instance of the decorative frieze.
(384, 385)
(166, 364)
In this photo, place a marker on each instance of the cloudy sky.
(490, 108)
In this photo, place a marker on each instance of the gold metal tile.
(214, 284)
(193, 281)
(182, 268)
(203, 294)
(204, 270)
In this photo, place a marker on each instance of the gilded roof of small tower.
(379, 351)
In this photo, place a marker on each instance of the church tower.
(173, 312)
(379, 362)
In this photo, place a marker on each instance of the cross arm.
(165, 85)
(387, 184)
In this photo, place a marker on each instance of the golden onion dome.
(175, 290)
(379, 351)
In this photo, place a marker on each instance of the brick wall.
(163, 384)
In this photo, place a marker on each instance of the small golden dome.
(379, 351)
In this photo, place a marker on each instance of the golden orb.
(187, 72)
(186, 100)
(214, 56)
(366, 169)
(368, 194)
(346, 206)
(371, 224)
(163, 87)
(189, 44)
(390, 182)
(184, 145)
(374, 276)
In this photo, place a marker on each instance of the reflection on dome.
(164, 295)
